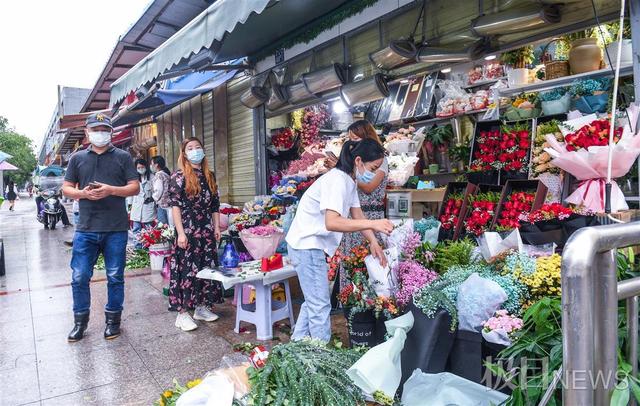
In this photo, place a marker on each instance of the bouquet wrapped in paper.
(261, 241)
(584, 154)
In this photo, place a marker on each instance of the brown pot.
(585, 55)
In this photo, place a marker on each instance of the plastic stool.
(265, 311)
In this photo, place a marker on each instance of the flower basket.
(363, 328)
(459, 188)
(157, 254)
(535, 187)
(261, 246)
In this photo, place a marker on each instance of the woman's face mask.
(195, 156)
(364, 175)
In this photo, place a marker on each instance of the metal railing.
(590, 295)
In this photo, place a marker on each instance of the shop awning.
(210, 26)
(4, 156)
(6, 166)
(175, 92)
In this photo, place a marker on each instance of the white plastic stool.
(264, 312)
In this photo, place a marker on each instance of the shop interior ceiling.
(449, 24)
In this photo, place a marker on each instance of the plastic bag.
(491, 244)
(497, 337)
(214, 390)
(544, 250)
(478, 299)
(380, 368)
(445, 389)
(454, 101)
(399, 234)
(260, 246)
(381, 278)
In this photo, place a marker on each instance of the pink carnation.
(263, 231)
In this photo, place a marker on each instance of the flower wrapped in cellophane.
(584, 154)
(261, 241)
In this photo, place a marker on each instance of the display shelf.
(564, 81)
(430, 175)
(484, 82)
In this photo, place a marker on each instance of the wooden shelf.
(565, 80)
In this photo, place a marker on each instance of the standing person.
(143, 207)
(161, 178)
(193, 196)
(321, 218)
(11, 194)
(371, 190)
(100, 177)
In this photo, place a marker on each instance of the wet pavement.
(39, 366)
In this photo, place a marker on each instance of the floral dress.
(372, 205)
(185, 290)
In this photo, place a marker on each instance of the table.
(264, 314)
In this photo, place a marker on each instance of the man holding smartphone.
(100, 177)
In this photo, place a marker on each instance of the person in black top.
(100, 177)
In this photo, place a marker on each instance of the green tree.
(21, 148)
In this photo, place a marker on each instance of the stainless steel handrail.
(590, 311)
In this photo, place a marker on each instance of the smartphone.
(93, 185)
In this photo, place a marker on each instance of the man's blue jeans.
(314, 318)
(86, 248)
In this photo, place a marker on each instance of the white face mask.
(100, 138)
(142, 171)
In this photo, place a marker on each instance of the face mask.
(154, 169)
(195, 156)
(99, 138)
(365, 177)
(142, 171)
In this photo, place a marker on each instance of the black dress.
(185, 290)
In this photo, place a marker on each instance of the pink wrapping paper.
(590, 166)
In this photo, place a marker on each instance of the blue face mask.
(366, 177)
(195, 156)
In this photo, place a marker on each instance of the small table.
(264, 315)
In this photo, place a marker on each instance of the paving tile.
(130, 392)
(19, 385)
(61, 374)
(17, 330)
(17, 353)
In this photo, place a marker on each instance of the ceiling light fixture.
(254, 97)
(395, 54)
(324, 79)
(364, 91)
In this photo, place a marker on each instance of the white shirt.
(334, 191)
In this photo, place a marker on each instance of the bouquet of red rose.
(160, 234)
(487, 144)
(453, 205)
(283, 139)
(594, 134)
(514, 147)
(483, 208)
(517, 204)
(548, 212)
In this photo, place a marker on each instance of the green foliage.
(305, 373)
(440, 135)
(460, 153)
(136, 259)
(21, 148)
(626, 264)
(518, 58)
(451, 253)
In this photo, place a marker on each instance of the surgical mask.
(154, 169)
(365, 177)
(100, 138)
(142, 171)
(195, 156)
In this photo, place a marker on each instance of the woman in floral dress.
(193, 196)
(371, 194)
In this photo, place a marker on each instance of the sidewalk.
(39, 366)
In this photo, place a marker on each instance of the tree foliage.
(21, 148)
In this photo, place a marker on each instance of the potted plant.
(585, 54)
(626, 57)
(437, 140)
(518, 59)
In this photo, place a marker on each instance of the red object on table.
(272, 263)
(258, 356)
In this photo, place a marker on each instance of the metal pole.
(606, 327)
(632, 335)
(634, 22)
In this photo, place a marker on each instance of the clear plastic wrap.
(455, 99)
(478, 299)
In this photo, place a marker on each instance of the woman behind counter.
(193, 196)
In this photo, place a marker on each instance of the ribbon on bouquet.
(591, 194)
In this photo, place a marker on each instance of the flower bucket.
(261, 246)
(157, 254)
(362, 328)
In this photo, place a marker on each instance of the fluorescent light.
(446, 70)
(403, 81)
(490, 57)
(339, 107)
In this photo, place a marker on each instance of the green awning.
(208, 27)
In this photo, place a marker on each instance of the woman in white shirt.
(161, 178)
(143, 208)
(321, 218)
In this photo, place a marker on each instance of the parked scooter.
(51, 211)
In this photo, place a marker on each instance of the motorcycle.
(52, 209)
